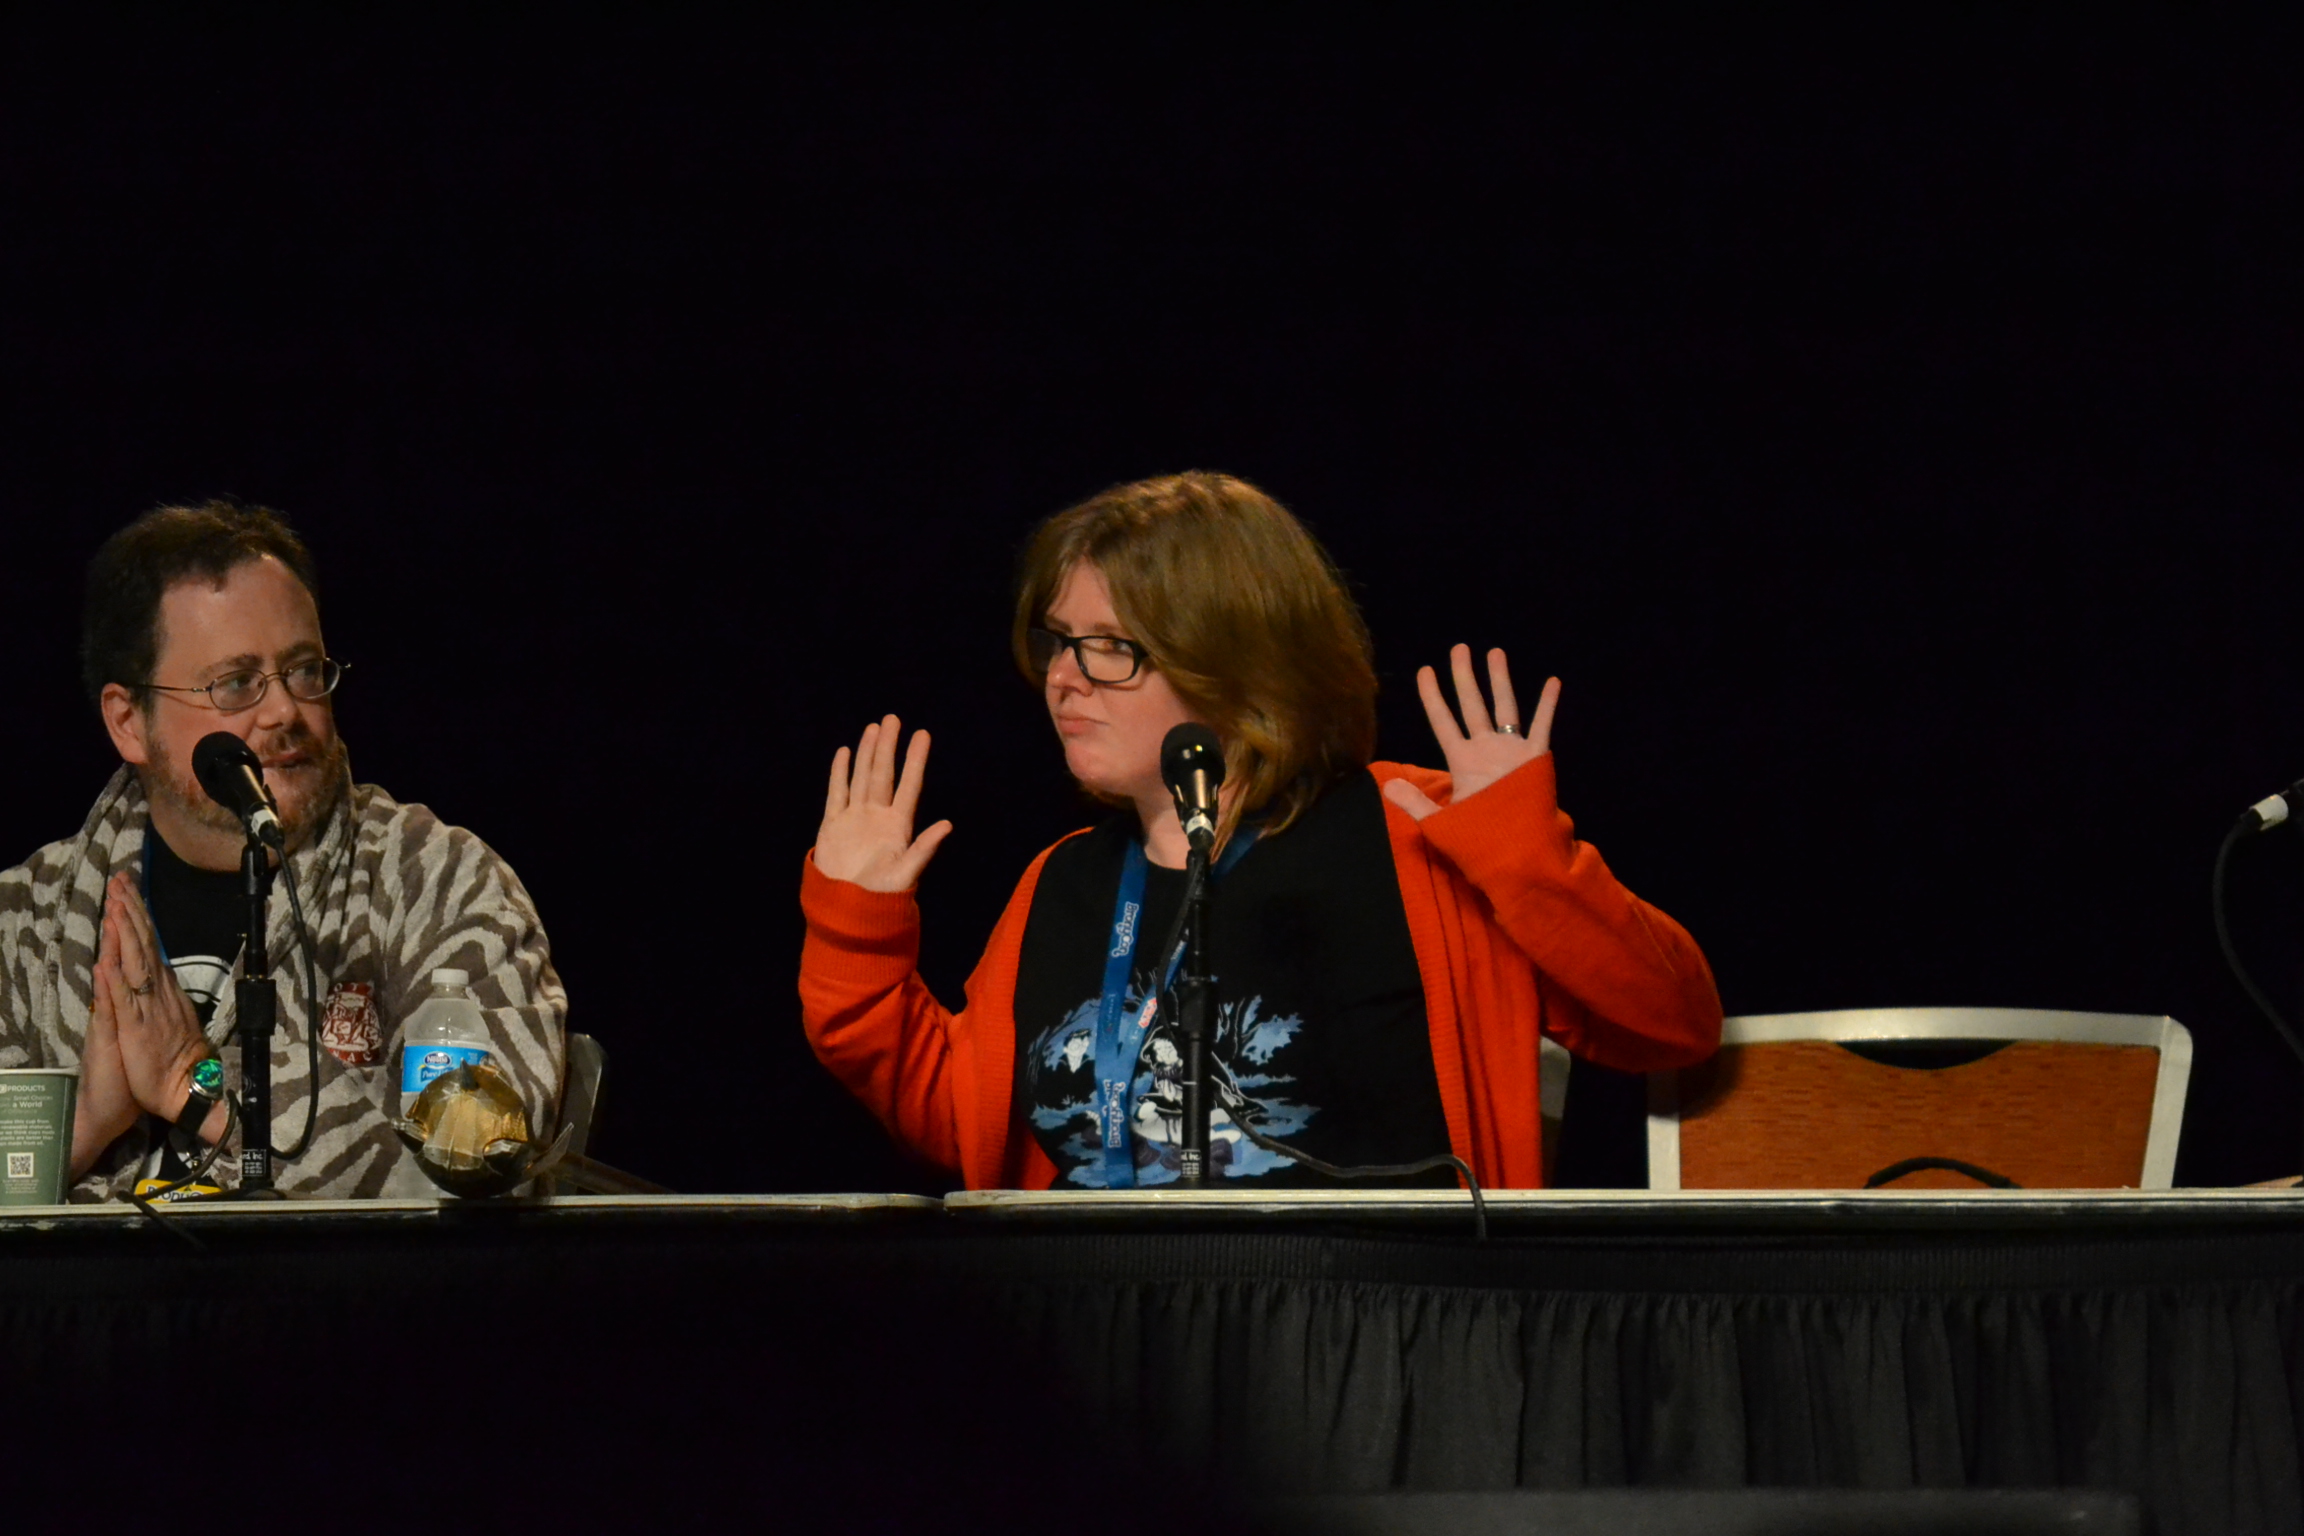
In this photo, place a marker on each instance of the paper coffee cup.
(36, 1105)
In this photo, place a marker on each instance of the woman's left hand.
(1487, 747)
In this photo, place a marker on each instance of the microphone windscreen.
(1188, 748)
(214, 759)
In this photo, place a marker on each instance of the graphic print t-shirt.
(1319, 1034)
(199, 915)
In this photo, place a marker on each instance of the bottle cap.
(450, 978)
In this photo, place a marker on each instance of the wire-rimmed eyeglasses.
(307, 682)
(1100, 658)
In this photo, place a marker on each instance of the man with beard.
(118, 945)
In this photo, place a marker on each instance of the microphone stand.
(256, 1002)
(1193, 987)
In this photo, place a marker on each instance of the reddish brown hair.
(1243, 612)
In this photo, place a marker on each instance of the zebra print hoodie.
(391, 893)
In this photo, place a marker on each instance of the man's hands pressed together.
(144, 1037)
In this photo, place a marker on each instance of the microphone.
(228, 769)
(1192, 764)
(2272, 810)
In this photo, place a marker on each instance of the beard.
(306, 801)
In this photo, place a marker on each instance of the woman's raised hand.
(1488, 746)
(867, 836)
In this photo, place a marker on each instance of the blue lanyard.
(1120, 1041)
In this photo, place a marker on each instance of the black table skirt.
(940, 1372)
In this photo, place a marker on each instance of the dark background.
(1890, 433)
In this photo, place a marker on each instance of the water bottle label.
(419, 1064)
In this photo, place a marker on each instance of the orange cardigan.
(1519, 930)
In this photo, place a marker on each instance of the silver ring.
(146, 990)
(1507, 730)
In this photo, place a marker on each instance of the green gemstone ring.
(208, 1078)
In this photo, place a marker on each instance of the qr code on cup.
(20, 1165)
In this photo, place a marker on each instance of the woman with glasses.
(1388, 943)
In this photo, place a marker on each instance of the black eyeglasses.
(1100, 658)
(307, 681)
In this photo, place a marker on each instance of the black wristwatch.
(207, 1092)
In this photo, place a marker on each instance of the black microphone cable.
(1337, 1170)
(2252, 821)
(149, 1203)
(312, 1016)
(1381, 1171)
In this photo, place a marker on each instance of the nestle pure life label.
(419, 1064)
(447, 1030)
(36, 1105)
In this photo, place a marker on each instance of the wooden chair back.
(2041, 1099)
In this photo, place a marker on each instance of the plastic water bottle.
(446, 1030)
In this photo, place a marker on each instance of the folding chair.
(1910, 1098)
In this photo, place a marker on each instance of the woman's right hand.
(866, 837)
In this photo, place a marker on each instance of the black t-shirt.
(201, 917)
(1320, 1037)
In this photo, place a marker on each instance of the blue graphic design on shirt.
(1247, 1071)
